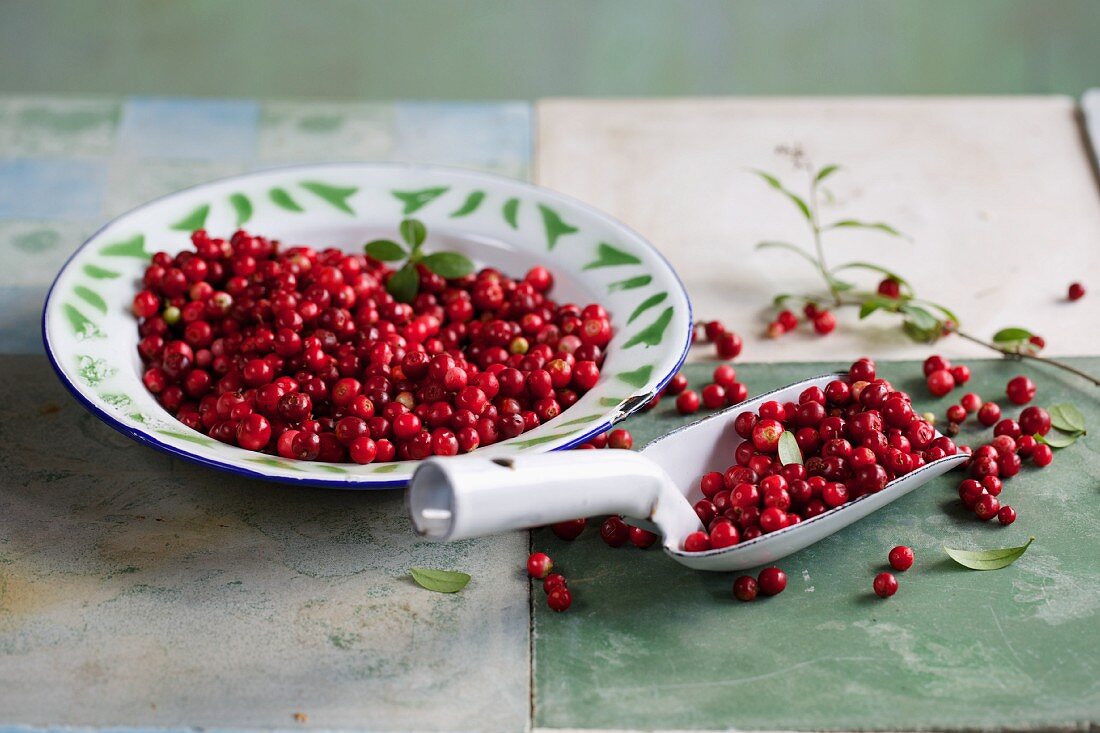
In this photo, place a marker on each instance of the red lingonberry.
(986, 507)
(901, 558)
(552, 581)
(620, 439)
(1043, 455)
(889, 288)
(687, 402)
(956, 413)
(1035, 420)
(1020, 390)
(697, 542)
(539, 565)
(725, 375)
(885, 585)
(824, 322)
(1076, 291)
(736, 393)
(1038, 343)
(745, 588)
(614, 531)
(641, 538)
(1006, 515)
(788, 320)
(570, 529)
(676, 385)
(989, 413)
(771, 581)
(940, 382)
(713, 330)
(728, 345)
(935, 363)
(714, 396)
(559, 599)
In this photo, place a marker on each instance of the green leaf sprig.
(922, 320)
(788, 449)
(440, 581)
(404, 283)
(987, 559)
(1068, 425)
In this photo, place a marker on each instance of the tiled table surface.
(138, 591)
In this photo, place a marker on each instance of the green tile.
(651, 644)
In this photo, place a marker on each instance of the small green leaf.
(1059, 439)
(404, 283)
(920, 317)
(796, 200)
(385, 250)
(856, 224)
(874, 302)
(449, 265)
(874, 268)
(987, 559)
(1011, 335)
(788, 246)
(1067, 417)
(441, 581)
(825, 173)
(788, 449)
(413, 232)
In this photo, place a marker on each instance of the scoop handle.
(470, 496)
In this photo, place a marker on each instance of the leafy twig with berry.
(404, 283)
(922, 320)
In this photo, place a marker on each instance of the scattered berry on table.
(745, 588)
(714, 330)
(788, 320)
(714, 396)
(901, 558)
(771, 581)
(940, 382)
(570, 529)
(1043, 455)
(1034, 420)
(728, 345)
(641, 538)
(987, 507)
(956, 413)
(687, 403)
(989, 413)
(1020, 390)
(935, 363)
(970, 402)
(1006, 515)
(539, 565)
(614, 531)
(961, 373)
(885, 585)
(725, 375)
(676, 385)
(552, 581)
(559, 599)
(620, 439)
(1076, 291)
(824, 322)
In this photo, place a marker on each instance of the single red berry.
(940, 382)
(729, 345)
(901, 557)
(724, 534)
(765, 434)
(885, 585)
(1043, 455)
(559, 599)
(642, 539)
(620, 439)
(1076, 291)
(824, 322)
(771, 581)
(971, 402)
(745, 588)
(552, 581)
(961, 373)
(774, 330)
(956, 413)
(570, 529)
(788, 320)
(713, 330)
(1020, 390)
(935, 363)
(725, 375)
(1006, 515)
(539, 565)
(989, 413)
(1038, 343)
(736, 393)
(676, 385)
(1034, 420)
(687, 402)
(987, 507)
(697, 542)
(714, 396)
(889, 288)
(614, 531)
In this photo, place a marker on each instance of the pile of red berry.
(855, 436)
(724, 390)
(941, 377)
(539, 567)
(726, 342)
(822, 320)
(305, 353)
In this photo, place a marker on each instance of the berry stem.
(1019, 355)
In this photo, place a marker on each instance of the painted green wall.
(534, 48)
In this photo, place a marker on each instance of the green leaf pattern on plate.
(554, 225)
(416, 200)
(133, 247)
(608, 256)
(336, 195)
(242, 206)
(282, 198)
(470, 205)
(194, 220)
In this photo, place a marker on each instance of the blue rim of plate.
(627, 408)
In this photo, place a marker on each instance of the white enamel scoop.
(655, 488)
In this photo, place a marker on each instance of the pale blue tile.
(39, 188)
(191, 129)
(21, 318)
(490, 135)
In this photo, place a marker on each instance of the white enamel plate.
(91, 336)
